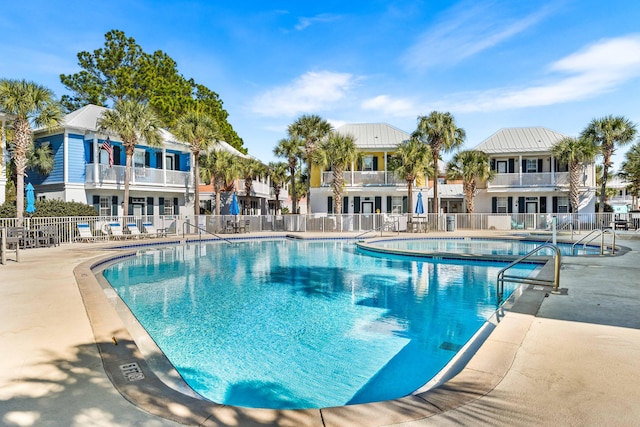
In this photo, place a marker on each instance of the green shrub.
(50, 208)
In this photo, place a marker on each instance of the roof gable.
(520, 140)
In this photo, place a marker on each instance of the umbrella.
(419, 205)
(234, 209)
(31, 200)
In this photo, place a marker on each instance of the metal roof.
(447, 191)
(520, 140)
(86, 119)
(374, 135)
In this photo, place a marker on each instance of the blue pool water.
(304, 324)
(479, 246)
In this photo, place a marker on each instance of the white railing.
(66, 227)
(365, 178)
(142, 176)
(530, 179)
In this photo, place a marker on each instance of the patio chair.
(85, 234)
(134, 231)
(515, 225)
(116, 231)
(151, 230)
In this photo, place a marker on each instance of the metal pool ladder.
(601, 232)
(502, 277)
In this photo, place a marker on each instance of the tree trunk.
(469, 192)
(338, 180)
(410, 199)
(22, 137)
(294, 202)
(196, 185)
(603, 184)
(574, 180)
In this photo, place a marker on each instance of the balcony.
(544, 179)
(139, 176)
(365, 179)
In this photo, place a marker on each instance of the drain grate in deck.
(131, 372)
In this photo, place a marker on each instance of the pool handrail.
(519, 279)
(202, 230)
(602, 232)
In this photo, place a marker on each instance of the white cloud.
(389, 106)
(467, 29)
(305, 22)
(312, 92)
(594, 70)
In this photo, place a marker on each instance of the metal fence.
(67, 230)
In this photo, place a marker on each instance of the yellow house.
(369, 187)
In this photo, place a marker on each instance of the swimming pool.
(480, 246)
(304, 324)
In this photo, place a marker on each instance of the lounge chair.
(134, 231)
(151, 230)
(515, 225)
(85, 234)
(116, 231)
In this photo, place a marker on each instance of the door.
(366, 219)
(531, 209)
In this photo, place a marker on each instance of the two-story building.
(528, 178)
(371, 186)
(161, 180)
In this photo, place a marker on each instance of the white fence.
(66, 227)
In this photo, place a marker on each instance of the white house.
(528, 178)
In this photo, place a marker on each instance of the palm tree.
(200, 131)
(220, 167)
(337, 152)
(439, 131)
(574, 152)
(289, 148)
(27, 103)
(411, 160)
(251, 169)
(277, 176)
(311, 129)
(630, 171)
(133, 122)
(608, 133)
(472, 167)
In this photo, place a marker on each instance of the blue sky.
(492, 64)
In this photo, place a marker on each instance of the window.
(169, 161)
(105, 206)
(531, 166)
(502, 204)
(396, 204)
(168, 206)
(367, 163)
(563, 205)
(501, 166)
(138, 158)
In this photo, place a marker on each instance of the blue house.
(161, 180)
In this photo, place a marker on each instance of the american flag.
(106, 146)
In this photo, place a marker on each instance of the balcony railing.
(365, 178)
(543, 179)
(140, 176)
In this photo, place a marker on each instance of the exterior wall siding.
(76, 158)
(57, 174)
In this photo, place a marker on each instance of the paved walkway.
(576, 362)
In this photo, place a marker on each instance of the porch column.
(385, 168)
(164, 166)
(520, 169)
(553, 170)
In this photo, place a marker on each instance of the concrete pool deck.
(574, 362)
